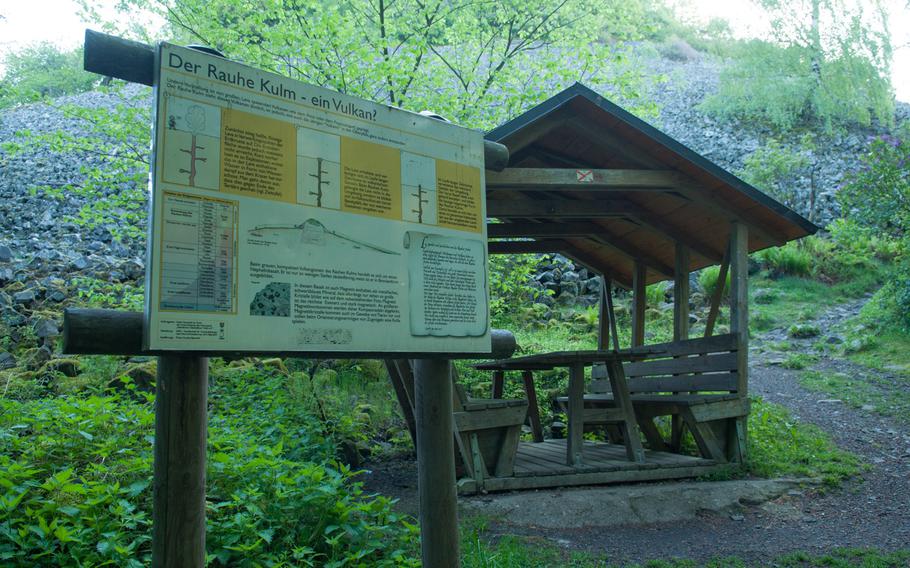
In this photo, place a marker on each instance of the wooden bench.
(486, 431)
(695, 381)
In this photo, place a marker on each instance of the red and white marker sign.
(584, 176)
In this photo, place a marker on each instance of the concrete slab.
(629, 504)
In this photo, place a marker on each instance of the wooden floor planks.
(549, 458)
(543, 464)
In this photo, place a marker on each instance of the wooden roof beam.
(530, 229)
(549, 179)
(558, 208)
(616, 242)
(582, 228)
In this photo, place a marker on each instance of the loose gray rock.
(25, 296)
(6, 254)
(46, 328)
(7, 361)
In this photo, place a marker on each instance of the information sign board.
(288, 217)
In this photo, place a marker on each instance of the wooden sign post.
(181, 392)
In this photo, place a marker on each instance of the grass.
(868, 391)
(780, 446)
(798, 361)
(480, 550)
(795, 300)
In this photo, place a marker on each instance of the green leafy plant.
(789, 259)
(708, 277)
(656, 294)
(75, 483)
(42, 71)
(511, 285)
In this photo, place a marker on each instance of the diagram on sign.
(313, 232)
(318, 169)
(192, 143)
(418, 188)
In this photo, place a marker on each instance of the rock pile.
(564, 283)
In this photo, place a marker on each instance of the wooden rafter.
(602, 136)
(558, 208)
(530, 229)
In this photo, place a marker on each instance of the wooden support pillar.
(575, 440)
(436, 463)
(639, 301)
(681, 294)
(739, 299)
(533, 410)
(178, 510)
(739, 326)
(603, 317)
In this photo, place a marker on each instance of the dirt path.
(873, 511)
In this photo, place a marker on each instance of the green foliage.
(95, 293)
(789, 259)
(779, 446)
(475, 64)
(773, 169)
(826, 62)
(803, 331)
(42, 71)
(708, 277)
(75, 483)
(878, 194)
(510, 285)
(797, 361)
(114, 146)
(864, 390)
(656, 294)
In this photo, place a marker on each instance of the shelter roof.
(591, 181)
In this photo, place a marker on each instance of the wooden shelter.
(590, 181)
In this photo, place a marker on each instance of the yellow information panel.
(288, 217)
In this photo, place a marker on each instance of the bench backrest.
(706, 364)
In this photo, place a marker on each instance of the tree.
(827, 62)
(877, 198)
(42, 71)
(878, 194)
(475, 62)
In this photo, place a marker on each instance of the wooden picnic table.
(622, 414)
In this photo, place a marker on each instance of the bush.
(786, 260)
(75, 484)
(708, 280)
(656, 294)
(803, 331)
(42, 70)
(511, 285)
